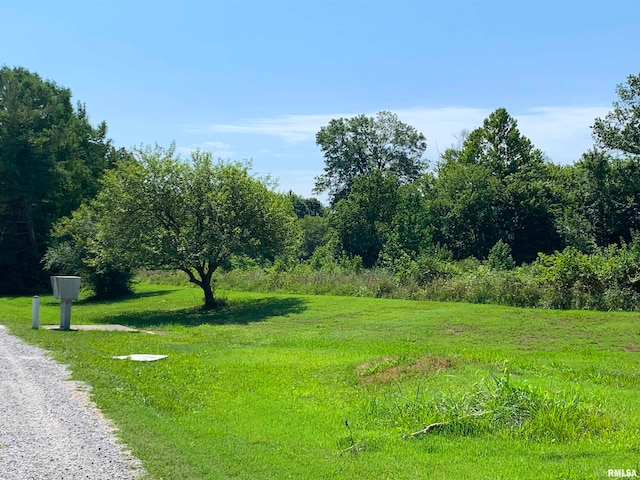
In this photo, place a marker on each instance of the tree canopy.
(159, 211)
(50, 160)
(493, 188)
(363, 218)
(353, 147)
(620, 129)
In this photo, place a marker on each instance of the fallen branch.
(426, 429)
(355, 448)
(433, 426)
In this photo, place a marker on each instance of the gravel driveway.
(48, 427)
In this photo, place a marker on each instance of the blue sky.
(257, 79)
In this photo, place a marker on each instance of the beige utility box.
(65, 288)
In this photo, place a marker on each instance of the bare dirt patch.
(388, 369)
(456, 329)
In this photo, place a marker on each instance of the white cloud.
(563, 133)
(441, 125)
(299, 181)
(291, 128)
(185, 151)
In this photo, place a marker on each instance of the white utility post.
(65, 288)
(35, 312)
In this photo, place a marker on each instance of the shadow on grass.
(109, 301)
(237, 312)
(132, 296)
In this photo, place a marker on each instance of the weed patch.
(498, 406)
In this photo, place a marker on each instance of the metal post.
(65, 314)
(35, 312)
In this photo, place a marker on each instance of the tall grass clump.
(494, 406)
(515, 287)
(302, 279)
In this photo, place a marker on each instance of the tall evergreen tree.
(50, 160)
(493, 188)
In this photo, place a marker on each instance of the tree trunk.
(204, 282)
(209, 299)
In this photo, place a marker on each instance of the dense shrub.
(607, 280)
(500, 258)
(74, 251)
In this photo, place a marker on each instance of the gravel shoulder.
(49, 429)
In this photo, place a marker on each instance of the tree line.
(493, 188)
(71, 202)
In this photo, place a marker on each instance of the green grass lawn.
(306, 387)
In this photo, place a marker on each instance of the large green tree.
(363, 219)
(608, 195)
(620, 129)
(413, 222)
(50, 160)
(159, 211)
(356, 146)
(494, 188)
(465, 207)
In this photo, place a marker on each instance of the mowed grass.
(313, 387)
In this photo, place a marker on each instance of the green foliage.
(601, 200)
(620, 129)
(158, 211)
(500, 258)
(306, 206)
(313, 229)
(76, 251)
(479, 284)
(412, 227)
(466, 207)
(326, 257)
(573, 278)
(500, 147)
(363, 218)
(571, 208)
(51, 158)
(422, 268)
(494, 187)
(607, 280)
(361, 145)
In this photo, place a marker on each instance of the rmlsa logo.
(615, 473)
